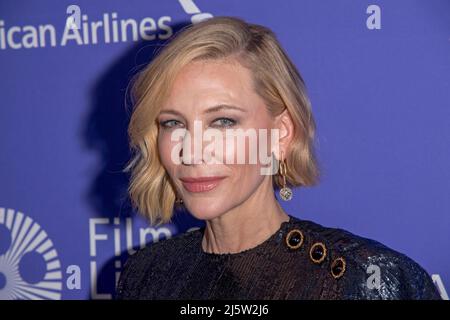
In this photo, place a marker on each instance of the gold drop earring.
(285, 192)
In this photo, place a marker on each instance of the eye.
(224, 122)
(167, 124)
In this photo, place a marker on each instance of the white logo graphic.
(221, 149)
(190, 8)
(440, 285)
(74, 20)
(82, 29)
(27, 245)
(373, 21)
(374, 280)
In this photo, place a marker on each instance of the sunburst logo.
(29, 264)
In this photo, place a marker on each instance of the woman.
(219, 75)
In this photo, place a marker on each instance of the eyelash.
(164, 124)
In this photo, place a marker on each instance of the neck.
(246, 225)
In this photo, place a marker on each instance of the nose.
(191, 152)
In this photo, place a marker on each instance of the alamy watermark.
(218, 142)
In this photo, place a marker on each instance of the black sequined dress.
(301, 260)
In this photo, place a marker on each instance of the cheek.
(247, 176)
(165, 147)
(255, 152)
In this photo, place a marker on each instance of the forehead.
(212, 81)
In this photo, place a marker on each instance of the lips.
(201, 184)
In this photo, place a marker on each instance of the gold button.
(318, 252)
(338, 267)
(294, 239)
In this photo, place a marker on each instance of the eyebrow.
(209, 110)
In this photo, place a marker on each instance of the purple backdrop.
(378, 75)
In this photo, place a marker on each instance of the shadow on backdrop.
(105, 132)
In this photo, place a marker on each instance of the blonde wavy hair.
(275, 78)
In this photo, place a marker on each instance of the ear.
(285, 126)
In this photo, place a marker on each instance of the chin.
(205, 209)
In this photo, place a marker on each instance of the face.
(214, 96)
